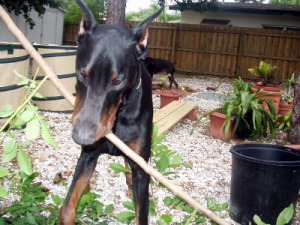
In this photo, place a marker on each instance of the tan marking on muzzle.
(77, 106)
(114, 76)
(107, 121)
(86, 71)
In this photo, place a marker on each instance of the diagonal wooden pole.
(111, 137)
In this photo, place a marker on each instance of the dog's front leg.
(85, 167)
(140, 189)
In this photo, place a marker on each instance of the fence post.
(174, 42)
(240, 54)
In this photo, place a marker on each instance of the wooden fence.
(219, 50)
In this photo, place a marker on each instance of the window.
(280, 27)
(293, 28)
(273, 27)
(215, 22)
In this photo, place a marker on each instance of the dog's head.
(107, 66)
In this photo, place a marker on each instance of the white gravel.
(208, 177)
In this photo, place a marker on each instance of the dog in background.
(154, 65)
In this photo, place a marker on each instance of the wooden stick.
(111, 137)
(293, 146)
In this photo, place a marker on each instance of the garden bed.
(210, 159)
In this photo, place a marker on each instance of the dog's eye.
(116, 82)
(81, 75)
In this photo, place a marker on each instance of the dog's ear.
(87, 21)
(141, 34)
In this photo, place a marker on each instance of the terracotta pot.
(168, 96)
(275, 98)
(216, 121)
(284, 107)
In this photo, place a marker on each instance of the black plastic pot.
(245, 127)
(265, 179)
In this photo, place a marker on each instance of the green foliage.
(194, 216)
(284, 217)
(290, 2)
(163, 157)
(287, 95)
(198, 5)
(28, 209)
(73, 13)
(164, 78)
(25, 6)
(6, 111)
(242, 101)
(126, 216)
(27, 116)
(144, 13)
(284, 122)
(119, 168)
(3, 173)
(88, 206)
(262, 72)
(31, 208)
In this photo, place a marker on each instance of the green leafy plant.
(163, 157)
(194, 216)
(283, 122)
(263, 73)
(242, 101)
(27, 116)
(89, 208)
(284, 217)
(164, 78)
(287, 95)
(28, 209)
(31, 207)
(3, 173)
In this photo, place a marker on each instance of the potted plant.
(266, 82)
(167, 96)
(242, 114)
(284, 121)
(286, 100)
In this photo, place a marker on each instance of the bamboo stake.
(111, 137)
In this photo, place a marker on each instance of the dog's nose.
(84, 132)
(81, 138)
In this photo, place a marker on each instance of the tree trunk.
(116, 12)
(294, 132)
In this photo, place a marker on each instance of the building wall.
(241, 19)
(47, 30)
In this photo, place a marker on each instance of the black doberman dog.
(113, 93)
(154, 66)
